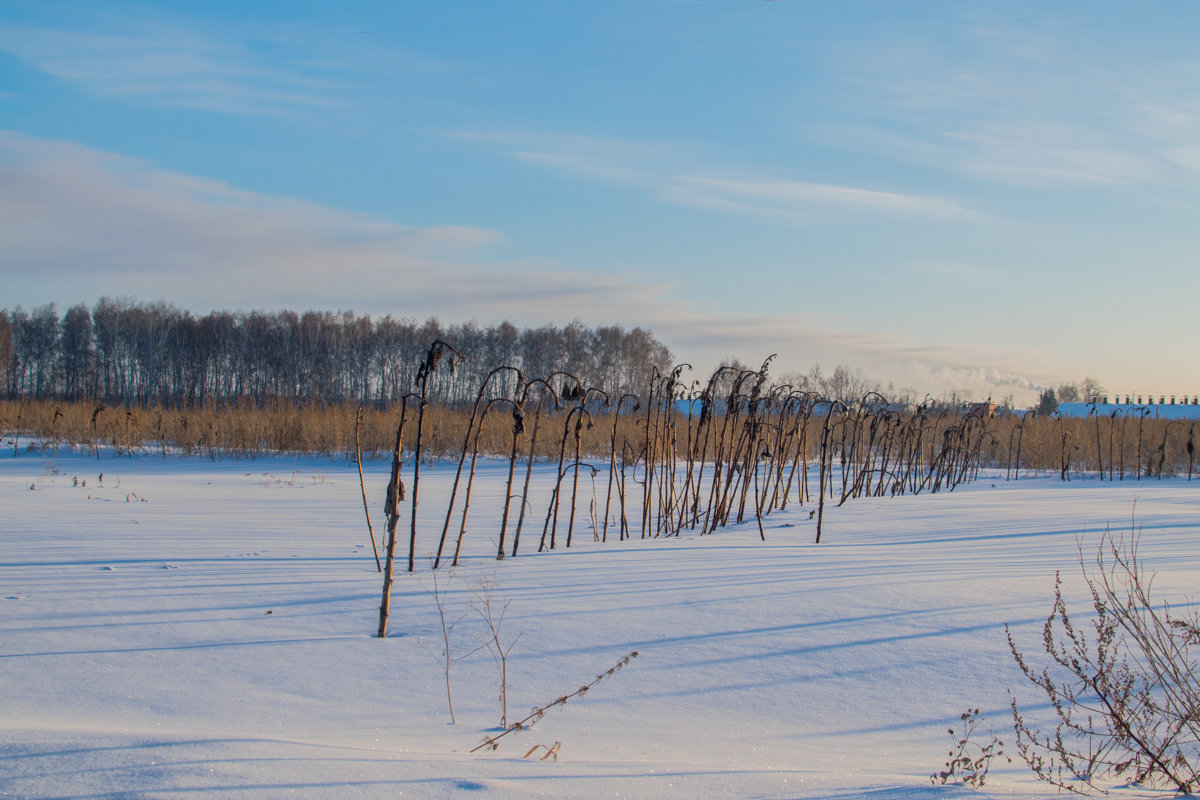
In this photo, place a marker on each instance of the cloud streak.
(779, 196)
(166, 66)
(1051, 155)
(81, 215)
(81, 223)
(85, 222)
(663, 173)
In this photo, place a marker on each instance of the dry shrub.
(968, 761)
(1123, 686)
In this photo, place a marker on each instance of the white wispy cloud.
(1043, 102)
(671, 174)
(78, 223)
(74, 216)
(1050, 155)
(582, 166)
(780, 196)
(1186, 156)
(593, 157)
(166, 65)
(952, 270)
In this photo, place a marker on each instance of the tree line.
(125, 352)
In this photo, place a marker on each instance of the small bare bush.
(1125, 693)
(445, 651)
(488, 601)
(968, 761)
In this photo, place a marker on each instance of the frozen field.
(186, 628)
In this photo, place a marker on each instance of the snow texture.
(186, 628)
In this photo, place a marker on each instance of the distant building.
(985, 410)
(1181, 410)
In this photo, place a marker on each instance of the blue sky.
(963, 196)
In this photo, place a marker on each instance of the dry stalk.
(551, 752)
(363, 485)
(447, 657)
(391, 508)
(492, 610)
(493, 742)
(433, 357)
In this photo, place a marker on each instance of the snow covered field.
(186, 628)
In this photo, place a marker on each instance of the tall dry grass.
(1120, 447)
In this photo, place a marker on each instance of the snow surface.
(194, 628)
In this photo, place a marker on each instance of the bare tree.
(124, 352)
(1068, 393)
(1090, 390)
(6, 351)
